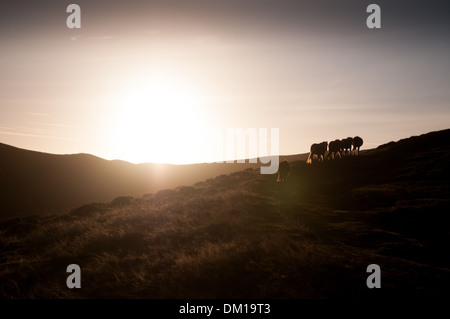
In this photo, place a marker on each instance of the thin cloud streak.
(38, 136)
(38, 114)
(92, 38)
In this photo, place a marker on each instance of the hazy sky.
(146, 80)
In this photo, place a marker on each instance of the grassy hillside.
(40, 183)
(243, 235)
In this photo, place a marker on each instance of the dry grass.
(243, 236)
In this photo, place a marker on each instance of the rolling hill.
(243, 235)
(39, 183)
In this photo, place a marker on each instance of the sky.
(159, 81)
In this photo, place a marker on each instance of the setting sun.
(158, 118)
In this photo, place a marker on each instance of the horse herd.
(336, 148)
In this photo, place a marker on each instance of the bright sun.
(158, 119)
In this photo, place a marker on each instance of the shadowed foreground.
(244, 235)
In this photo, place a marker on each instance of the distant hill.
(41, 183)
(38, 183)
(243, 235)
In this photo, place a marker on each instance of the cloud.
(37, 114)
(152, 32)
(97, 38)
(101, 38)
(62, 125)
(13, 132)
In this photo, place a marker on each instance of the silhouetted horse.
(357, 143)
(283, 171)
(319, 150)
(347, 145)
(334, 148)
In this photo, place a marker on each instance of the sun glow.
(158, 119)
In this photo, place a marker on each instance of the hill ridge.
(53, 183)
(243, 235)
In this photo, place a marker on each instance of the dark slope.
(34, 182)
(243, 235)
(40, 183)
